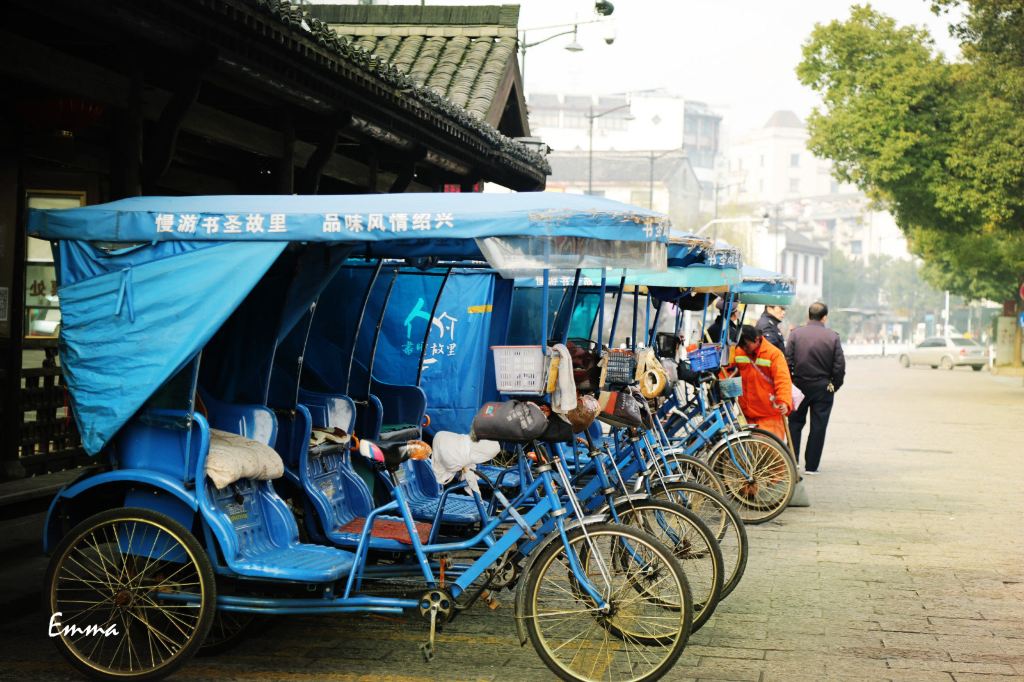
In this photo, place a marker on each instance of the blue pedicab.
(183, 523)
(634, 460)
(756, 468)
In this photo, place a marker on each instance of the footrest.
(388, 529)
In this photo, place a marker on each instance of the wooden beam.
(160, 150)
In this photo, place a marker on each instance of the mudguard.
(520, 598)
(173, 489)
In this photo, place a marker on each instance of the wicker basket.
(621, 368)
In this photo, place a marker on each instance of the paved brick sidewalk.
(908, 566)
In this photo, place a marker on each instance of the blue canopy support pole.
(600, 307)
(679, 319)
(618, 307)
(636, 312)
(657, 316)
(430, 322)
(544, 311)
(193, 388)
(743, 314)
(377, 327)
(359, 322)
(301, 359)
(572, 305)
(704, 317)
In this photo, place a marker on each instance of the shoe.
(810, 473)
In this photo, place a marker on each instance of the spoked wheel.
(761, 480)
(693, 470)
(721, 518)
(636, 637)
(230, 629)
(691, 542)
(135, 595)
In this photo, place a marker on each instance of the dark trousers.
(817, 401)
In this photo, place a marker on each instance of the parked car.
(946, 352)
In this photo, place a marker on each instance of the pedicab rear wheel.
(762, 485)
(638, 638)
(135, 592)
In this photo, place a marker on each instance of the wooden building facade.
(113, 98)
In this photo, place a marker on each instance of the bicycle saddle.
(391, 455)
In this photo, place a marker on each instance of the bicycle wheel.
(135, 595)
(637, 638)
(691, 542)
(721, 518)
(761, 478)
(693, 470)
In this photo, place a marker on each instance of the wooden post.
(126, 162)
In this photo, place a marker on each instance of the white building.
(769, 171)
(647, 121)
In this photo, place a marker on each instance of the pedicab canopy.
(145, 282)
(765, 287)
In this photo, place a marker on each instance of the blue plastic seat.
(424, 495)
(256, 530)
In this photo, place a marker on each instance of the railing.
(48, 440)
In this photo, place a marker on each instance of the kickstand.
(428, 649)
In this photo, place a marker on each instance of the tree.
(937, 142)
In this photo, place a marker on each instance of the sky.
(738, 56)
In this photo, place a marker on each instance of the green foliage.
(939, 143)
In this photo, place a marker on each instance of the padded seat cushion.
(388, 529)
(233, 457)
(397, 433)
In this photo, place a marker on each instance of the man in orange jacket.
(767, 387)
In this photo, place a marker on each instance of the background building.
(637, 121)
(770, 172)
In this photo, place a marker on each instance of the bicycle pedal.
(492, 602)
(427, 649)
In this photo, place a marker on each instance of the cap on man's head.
(720, 304)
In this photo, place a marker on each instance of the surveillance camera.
(604, 8)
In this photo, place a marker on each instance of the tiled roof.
(376, 66)
(461, 53)
(784, 119)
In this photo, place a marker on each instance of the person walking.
(768, 325)
(815, 357)
(767, 389)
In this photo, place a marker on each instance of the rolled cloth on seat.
(456, 452)
(233, 457)
(564, 398)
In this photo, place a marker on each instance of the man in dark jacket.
(714, 332)
(816, 361)
(768, 325)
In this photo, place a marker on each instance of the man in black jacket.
(714, 332)
(768, 325)
(816, 361)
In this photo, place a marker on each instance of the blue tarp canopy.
(765, 287)
(351, 218)
(145, 283)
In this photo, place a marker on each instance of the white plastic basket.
(520, 369)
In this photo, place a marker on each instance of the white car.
(946, 352)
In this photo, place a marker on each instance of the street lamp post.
(590, 148)
(650, 188)
(574, 46)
